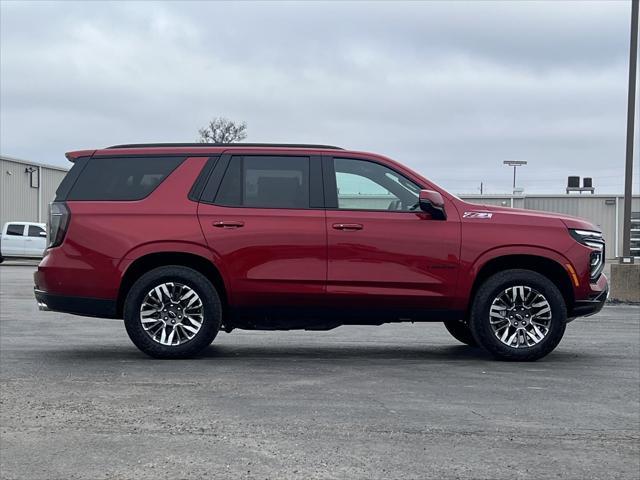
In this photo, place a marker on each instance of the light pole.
(631, 107)
(515, 164)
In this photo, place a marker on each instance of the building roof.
(32, 163)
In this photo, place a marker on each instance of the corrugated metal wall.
(49, 184)
(18, 199)
(598, 209)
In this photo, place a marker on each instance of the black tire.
(460, 331)
(497, 284)
(211, 308)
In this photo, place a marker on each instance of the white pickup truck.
(23, 240)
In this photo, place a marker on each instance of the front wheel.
(518, 315)
(172, 312)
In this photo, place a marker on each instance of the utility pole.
(515, 164)
(481, 188)
(631, 108)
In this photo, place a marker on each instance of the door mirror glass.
(432, 203)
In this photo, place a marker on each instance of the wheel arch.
(145, 263)
(543, 265)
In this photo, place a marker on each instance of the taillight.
(59, 216)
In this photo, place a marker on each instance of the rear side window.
(266, 182)
(16, 230)
(122, 178)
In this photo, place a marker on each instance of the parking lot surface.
(78, 400)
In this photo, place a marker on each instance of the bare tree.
(223, 130)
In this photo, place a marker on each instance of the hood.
(536, 216)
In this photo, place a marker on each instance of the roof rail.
(204, 145)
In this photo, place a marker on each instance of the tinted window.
(364, 185)
(70, 178)
(230, 192)
(266, 182)
(35, 231)
(122, 178)
(14, 229)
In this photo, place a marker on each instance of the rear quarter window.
(122, 178)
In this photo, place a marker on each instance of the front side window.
(364, 185)
(122, 178)
(36, 231)
(15, 230)
(265, 182)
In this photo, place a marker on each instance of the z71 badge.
(477, 215)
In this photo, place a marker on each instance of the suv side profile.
(184, 240)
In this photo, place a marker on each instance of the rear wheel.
(172, 312)
(518, 315)
(460, 331)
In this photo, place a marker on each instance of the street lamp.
(631, 110)
(515, 164)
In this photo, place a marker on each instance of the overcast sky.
(451, 89)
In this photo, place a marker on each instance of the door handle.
(348, 227)
(228, 224)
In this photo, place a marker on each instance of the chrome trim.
(43, 307)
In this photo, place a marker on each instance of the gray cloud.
(451, 89)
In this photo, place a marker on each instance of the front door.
(262, 216)
(35, 241)
(383, 252)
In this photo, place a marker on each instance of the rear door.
(13, 240)
(263, 217)
(384, 253)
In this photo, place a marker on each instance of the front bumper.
(591, 306)
(85, 306)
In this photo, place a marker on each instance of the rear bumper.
(85, 306)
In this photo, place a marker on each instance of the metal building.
(26, 188)
(605, 211)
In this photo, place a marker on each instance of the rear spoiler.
(73, 156)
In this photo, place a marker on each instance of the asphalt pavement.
(402, 401)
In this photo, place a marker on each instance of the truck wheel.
(518, 315)
(460, 331)
(172, 312)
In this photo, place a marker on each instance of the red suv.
(182, 240)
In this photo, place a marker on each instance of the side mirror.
(432, 203)
(43, 234)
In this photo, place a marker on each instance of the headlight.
(593, 240)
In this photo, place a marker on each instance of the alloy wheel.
(171, 313)
(520, 316)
